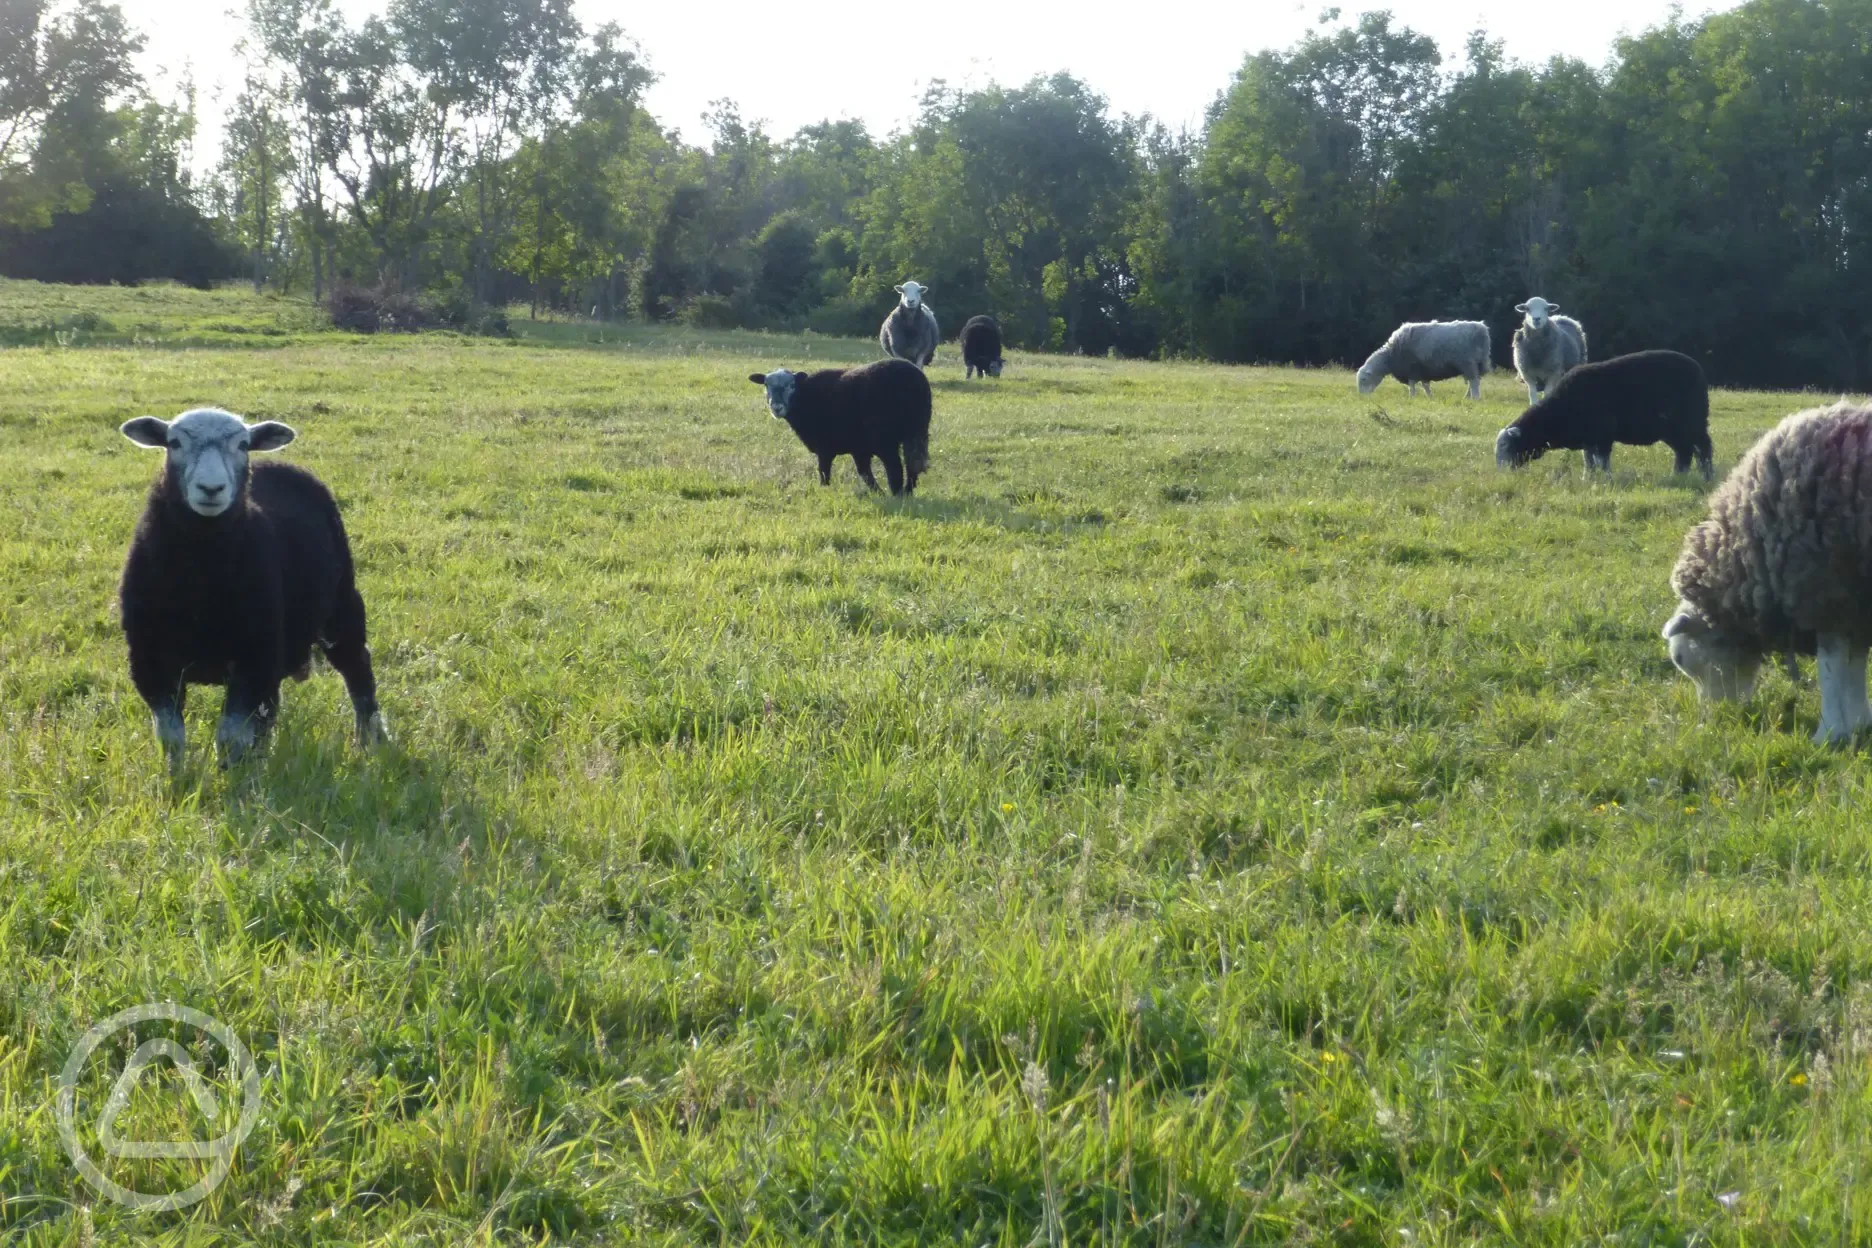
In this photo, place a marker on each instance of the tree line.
(1709, 188)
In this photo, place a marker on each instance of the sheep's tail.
(916, 452)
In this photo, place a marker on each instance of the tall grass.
(1218, 809)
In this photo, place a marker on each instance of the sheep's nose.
(211, 491)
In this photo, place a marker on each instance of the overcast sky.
(791, 65)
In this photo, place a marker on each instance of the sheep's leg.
(864, 471)
(246, 715)
(1706, 461)
(1843, 706)
(1533, 395)
(825, 469)
(1475, 385)
(350, 657)
(893, 468)
(163, 690)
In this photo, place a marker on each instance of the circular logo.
(219, 1153)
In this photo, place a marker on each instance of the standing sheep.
(1783, 565)
(1546, 346)
(234, 574)
(873, 410)
(1637, 399)
(981, 347)
(910, 331)
(1427, 351)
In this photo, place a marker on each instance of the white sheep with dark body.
(1783, 565)
(234, 574)
(910, 332)
(1546, 346)
(1427, 351)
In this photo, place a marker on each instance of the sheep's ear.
(1553, 307)
(269, 435)
(1520, 307)
(759, 379)
(1682, 622)
(150, 431)
(898, 289)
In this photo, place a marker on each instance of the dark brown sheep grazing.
(1637, 399)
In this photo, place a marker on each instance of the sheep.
(1427, 351)
(233, 575)
(871, 410)
(910, 332)
(981, 347)
(1783, 565)
(1546, 346)
(1637, 399)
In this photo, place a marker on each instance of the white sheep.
(1427, 351)
(910, 332)
(1546, 346)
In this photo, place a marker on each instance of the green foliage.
(1219, 809)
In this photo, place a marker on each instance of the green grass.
(1219, 809)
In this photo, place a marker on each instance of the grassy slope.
(1211, 813)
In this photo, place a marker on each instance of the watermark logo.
(238, 1071)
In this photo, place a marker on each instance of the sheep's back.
(1787, 546)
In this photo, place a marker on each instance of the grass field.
(1219, 809)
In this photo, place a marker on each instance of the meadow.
(1219, 808)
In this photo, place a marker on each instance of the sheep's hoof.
(1834, 734)
(371, 729)
(235, 739)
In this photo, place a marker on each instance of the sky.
(793, 65)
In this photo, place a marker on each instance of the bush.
(846, 317)
(368, 309)
(709, 312)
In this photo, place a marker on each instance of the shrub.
(709, 312)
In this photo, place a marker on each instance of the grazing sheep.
(910, 331)
(1427, 351)
(233, 575)
(874, 409)
(1546, 346)
(1783, 565)
(1637, 399)
(981, 347)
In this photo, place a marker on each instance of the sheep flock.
(239, 571)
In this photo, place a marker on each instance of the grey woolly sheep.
(234, 575)
(1427, 351)
(1783, 565)
(1637, 399)
(910, 332)
(1546, 346)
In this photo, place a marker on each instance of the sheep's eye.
(175, 444)
(244, 444)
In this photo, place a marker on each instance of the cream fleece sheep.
(1784, 565)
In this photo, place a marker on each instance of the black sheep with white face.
(1638, 399)
(236, 571)
(879, 410)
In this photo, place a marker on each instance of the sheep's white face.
(994, 368)
(1509, 453)
(1537, 310)
(912, 295)
(207, 453)
(1373, 371)
(781, 385)
(1722, 666)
